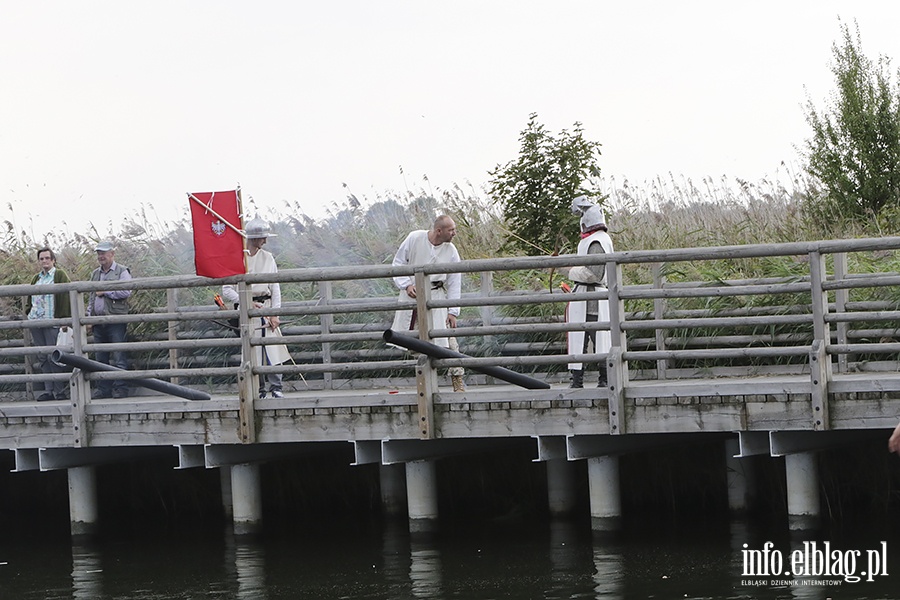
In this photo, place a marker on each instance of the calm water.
(378, 562)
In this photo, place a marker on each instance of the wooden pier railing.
(833, 312)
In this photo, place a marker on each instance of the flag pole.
(240, 207)
(240, 232)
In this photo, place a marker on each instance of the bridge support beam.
(802, 490)
(246, 498)
(737, 477)
(421, 495)
(605, 492)
(393, 489)
(83, 500)
(561, 486)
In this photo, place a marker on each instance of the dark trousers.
(590, 345)
(46, 336)
(114, 333)
(275, 379)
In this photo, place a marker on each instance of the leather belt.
(591, 285)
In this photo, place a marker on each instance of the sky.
(116, 110)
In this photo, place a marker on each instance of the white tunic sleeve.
(275, 290)
(401, 259)
(230, 294)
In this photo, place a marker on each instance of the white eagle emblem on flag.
(218, 227)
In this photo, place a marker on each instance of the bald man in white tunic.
(425, 247)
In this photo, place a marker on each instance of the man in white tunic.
(265, 295)
(424, 247)
(594, 240)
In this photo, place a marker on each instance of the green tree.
(854, 152)
(535, 191)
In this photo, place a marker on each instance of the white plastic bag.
(64, 340)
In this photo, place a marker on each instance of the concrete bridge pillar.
(605, 492)
(802, 490)
(393, 489)
(83, 500)
(246, 498)
(561, 486)
(737, 477)
(421, 495)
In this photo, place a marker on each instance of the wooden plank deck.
(763, 403)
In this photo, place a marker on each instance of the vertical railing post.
(616, 305)
(27, 342)
(820, 362)
(79, 331)
(172, 329)
(617, 377)
(659, 312)
(426, 375)
(487, 289)
(616, 367)
(487, 313)
(819, 374)
(247, 376)
(841, 297)
(819, 298)
(326, 320)
(79, 390)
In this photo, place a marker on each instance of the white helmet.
(258, 228)
(592, 217)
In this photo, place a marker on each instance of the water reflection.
(395, 555)
(609, 575)
(739, 534)
(425, 567)
(245, 562)
(87, 572)
(806, 587)
(583, 566)
(547, 560)
(801, 586)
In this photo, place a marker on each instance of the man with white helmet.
(265, 295)
(594, 240)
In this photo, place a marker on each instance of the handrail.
(777, 319)
(636, 257)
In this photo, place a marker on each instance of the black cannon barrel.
(165, 387)
(416, 345)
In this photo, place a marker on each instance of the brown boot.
(458, 385)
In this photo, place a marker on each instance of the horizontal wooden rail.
(665, 321)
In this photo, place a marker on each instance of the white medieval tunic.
(589, 279)
(269, 295)
(417, 250)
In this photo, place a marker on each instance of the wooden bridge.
(781, 366)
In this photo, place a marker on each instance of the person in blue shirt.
(101, 303)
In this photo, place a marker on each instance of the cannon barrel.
(86, 364)
(416, 345)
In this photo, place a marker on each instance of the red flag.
(218, 248)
